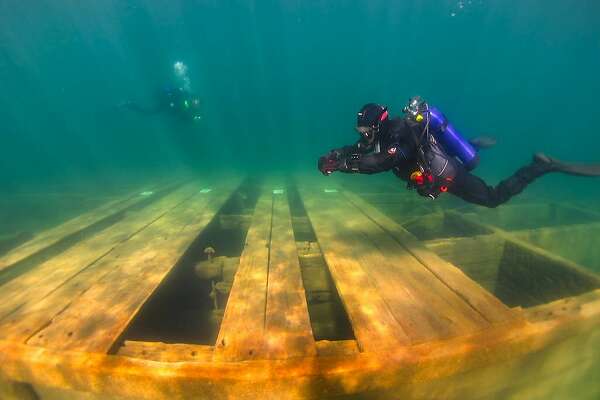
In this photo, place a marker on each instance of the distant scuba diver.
(177, 102)
(427, 152)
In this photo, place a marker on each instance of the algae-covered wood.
(266, 314)
(95, 320)
(421, 303)
(166, 352)
(48, 289)
(477, 297)
(479, 256)
(578, 243)
(53, 273)
(553, 262)
(41, 306)
(49, 237)
(374, 325)
(422, 328)
(288, 331)
(242, 329)
(488, 362)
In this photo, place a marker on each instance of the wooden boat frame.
(437, 342)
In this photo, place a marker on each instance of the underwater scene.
(285, 199)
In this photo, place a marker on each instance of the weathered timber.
(329, 348)
(31, 299)
(266, 314)
(242, 330)
(444, 344)
(529, 275)
(510, 217)
(424, 306)
(165, 352)
(51, 236)
(529, 248)
(565, 309)
(430, 370)
(477, 297)
(578, 243)
(374, 325)
(478, 256)
(288, 331)
(95, 320)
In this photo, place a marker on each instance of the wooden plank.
(577, 243)
(428, 309)
(555, 260)
(395, 371)
(328, 348)
(374, 326)
(567, 308)
(477, 297)
(510, 217)
(52, 236)
(242, 330)
(30, 288)
(423, 305)
(94, 321)
(166, 352)
(479, 257)
(288, 332)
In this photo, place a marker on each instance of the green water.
(280, 83)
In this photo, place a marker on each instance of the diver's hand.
(328, 164)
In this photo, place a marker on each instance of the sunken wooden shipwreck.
(302, 289)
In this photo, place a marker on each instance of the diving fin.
(555, 165)
(482, 142)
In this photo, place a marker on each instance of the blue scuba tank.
(451, 140)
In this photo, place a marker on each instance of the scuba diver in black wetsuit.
(177, 102)
(427, 152)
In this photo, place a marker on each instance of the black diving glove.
(329, 163)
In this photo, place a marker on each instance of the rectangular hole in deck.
(188, 306)
(328, 317)
(515, 274)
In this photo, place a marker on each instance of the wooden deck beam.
(266, 316)
(30, 300)
(476, 296)
(94, 321)
(403, 300)
(242, 330)
(51, 236)
(288, 332)
(166, 352)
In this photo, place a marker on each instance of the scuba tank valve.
(442, 130)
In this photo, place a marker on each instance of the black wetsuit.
(397, 149)
(175, 101)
